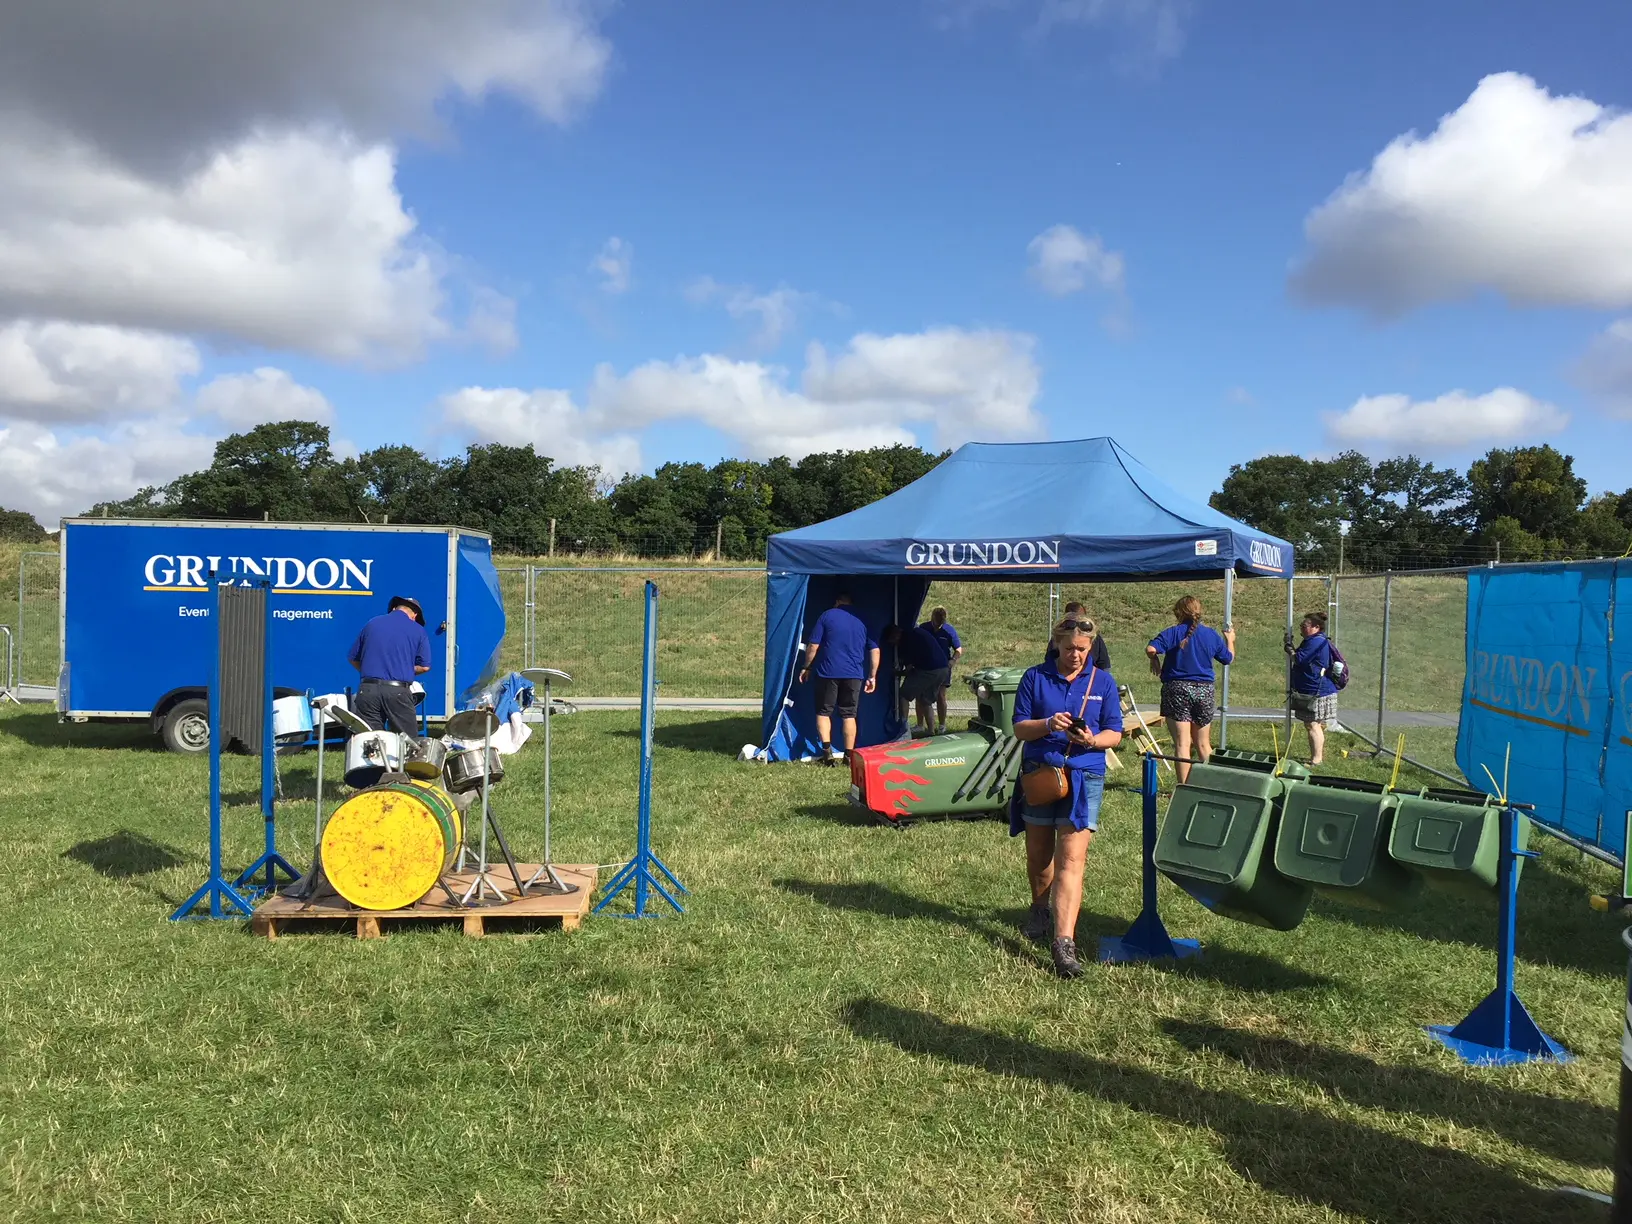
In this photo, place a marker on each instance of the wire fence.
(36, 623)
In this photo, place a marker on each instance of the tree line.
(1521, 504)
(288, 472)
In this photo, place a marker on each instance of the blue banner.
(1547, 692)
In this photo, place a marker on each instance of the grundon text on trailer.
(136, 634)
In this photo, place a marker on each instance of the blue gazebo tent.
(1075, 511)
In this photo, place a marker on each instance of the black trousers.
(380, 704)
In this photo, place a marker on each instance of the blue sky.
(881, 180)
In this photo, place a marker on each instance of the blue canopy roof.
(1033, 511)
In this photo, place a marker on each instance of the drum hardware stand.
(461, 726)
(545, 880)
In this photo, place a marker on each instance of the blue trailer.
(137, 639)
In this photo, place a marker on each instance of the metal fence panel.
(711, 641)
(38, 614)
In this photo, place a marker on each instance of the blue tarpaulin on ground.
(1549, 676)
(1025, 512)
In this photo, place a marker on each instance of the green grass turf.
(844, 1026)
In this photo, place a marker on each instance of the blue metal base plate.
(1478, 1039)
(1115, 950)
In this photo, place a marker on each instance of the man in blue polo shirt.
(389, 652)
(925, 661)
(846, 660)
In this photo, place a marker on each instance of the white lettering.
(935, 557)
(1557, 685)
(191, 571)
(1049, 553)
(1582, 688)
(186, 611)
(1002, 553)
(1025, 553)
(915, 553)
(312, 578)
(157, 576)
(364, 575)
(291, 572)
(977, 552)
(952, 557)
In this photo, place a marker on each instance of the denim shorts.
(1058, 814)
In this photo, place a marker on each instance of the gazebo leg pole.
(1224, 688)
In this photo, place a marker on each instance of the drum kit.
(406, 828)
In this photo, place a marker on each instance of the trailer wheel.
(187, 726)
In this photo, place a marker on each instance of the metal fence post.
(1291, 611)
(529, 619)
(1224, 687)
(1382, 670)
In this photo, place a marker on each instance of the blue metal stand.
(1500, 1031)
(1147, 938)
(215, 889)
(270, 861)
(638, 870)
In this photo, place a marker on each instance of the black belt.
(392, 683)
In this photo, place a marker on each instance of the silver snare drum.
(464, 769)
(423, 758)
(370, 755)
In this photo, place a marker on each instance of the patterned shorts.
(1188, 701)
(1308, 708)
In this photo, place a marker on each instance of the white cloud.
(1606, 368)
(243, 401)
(1152, 30)
(1065, 261)
(615, 264)
(1516, 191)
(295, 242)
(1452, 421)
(943, 386)
(67, 372)
(549, 420)
(160, 82)
(53, 473)
(777, 310)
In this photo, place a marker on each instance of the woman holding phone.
(1067, 714)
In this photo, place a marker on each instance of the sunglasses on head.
(1087, 626)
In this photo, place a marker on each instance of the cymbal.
(538, 675)
(347, 719)
(472, 724)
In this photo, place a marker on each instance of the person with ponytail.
(1183, 656)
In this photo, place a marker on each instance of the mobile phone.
(1078, 724)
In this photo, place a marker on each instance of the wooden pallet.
(280, 914)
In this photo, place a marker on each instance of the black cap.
(409, 602)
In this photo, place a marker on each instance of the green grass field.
(844, 1026)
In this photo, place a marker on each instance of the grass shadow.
(1303, 1155)
(125, 854)
(845, 814)
(1555, 925)
(42, 730)
(714, 735)
(1576, 1131)
(1243, 970)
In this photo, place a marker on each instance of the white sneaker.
(941, 730)
(918, 732)
(835, 754)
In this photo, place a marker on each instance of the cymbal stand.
(482, 883)
(307, 887)
(545, 880)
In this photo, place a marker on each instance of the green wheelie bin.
(1214, 844)
(1453, 838)
(1334, 835)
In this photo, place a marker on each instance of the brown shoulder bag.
(1048, 784)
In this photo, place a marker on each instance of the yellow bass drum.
(384, 847)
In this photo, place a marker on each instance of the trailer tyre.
(187, 726)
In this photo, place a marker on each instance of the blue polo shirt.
(1309, 666)
(844, 642)
(946, 635)
(1044, 693)
(921, 650)
(389, 647)
(1194, 663)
